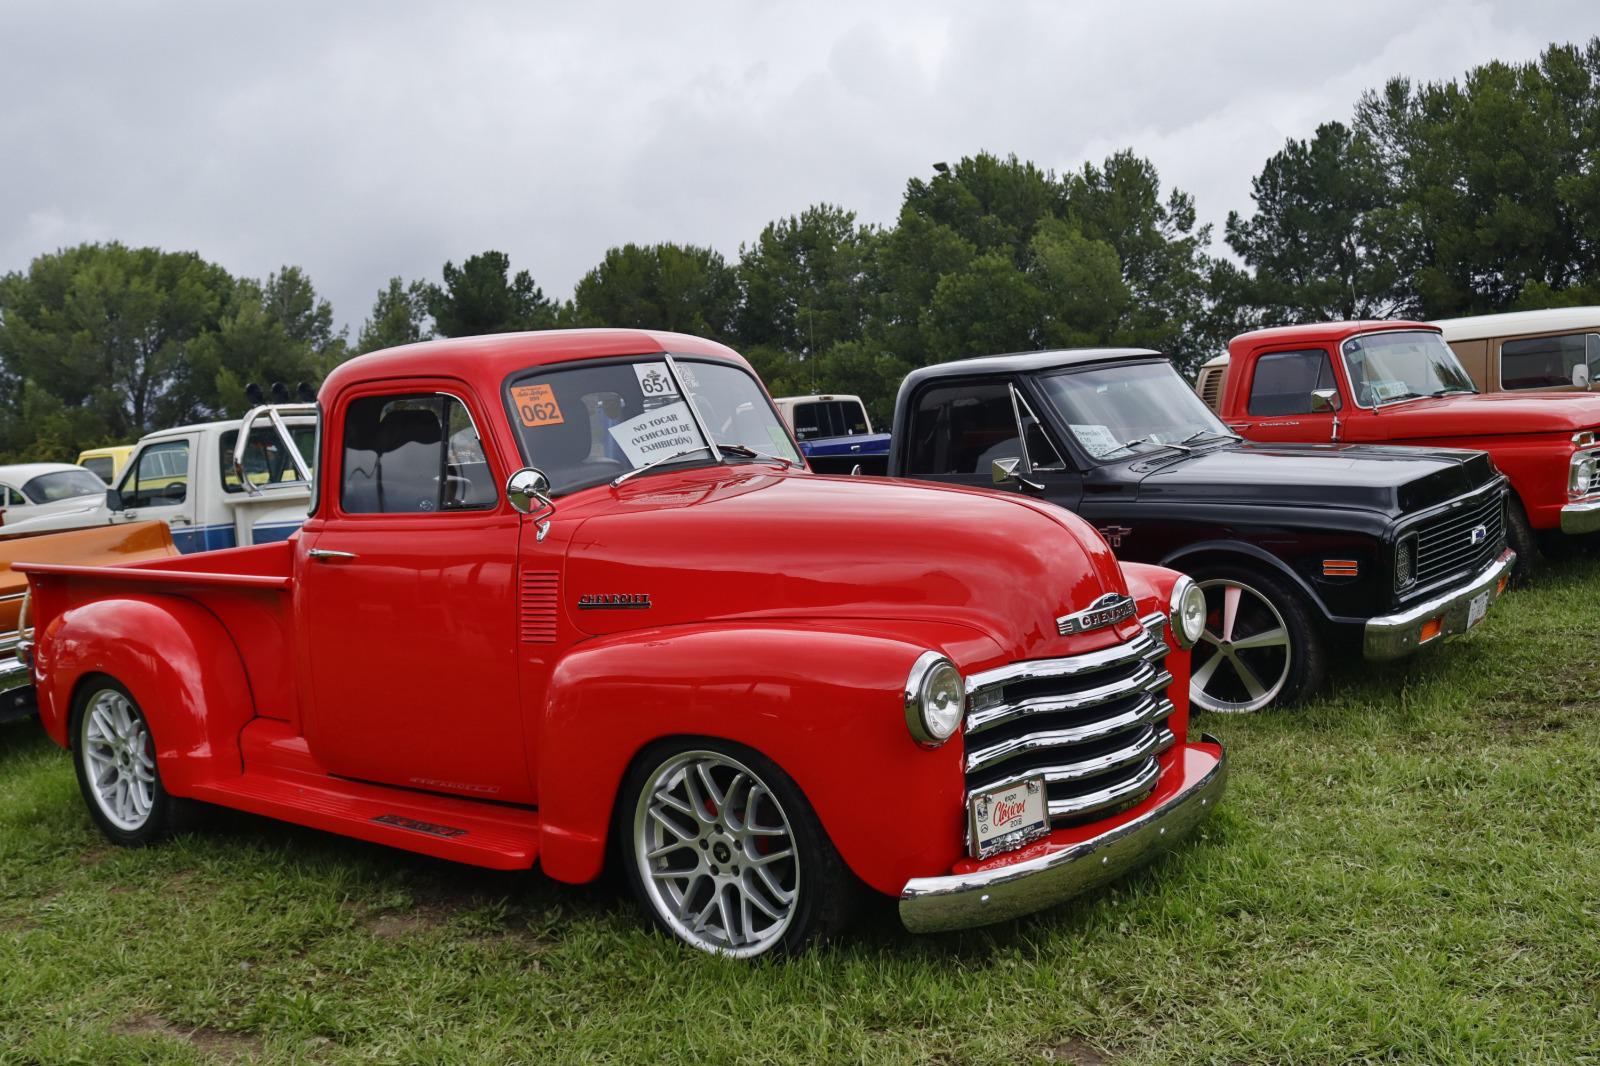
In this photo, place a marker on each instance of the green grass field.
(1407, 871)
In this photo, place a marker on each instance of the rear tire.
(114, 755)
(1261, 646)
(724, 853)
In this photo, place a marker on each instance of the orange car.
(95, 546)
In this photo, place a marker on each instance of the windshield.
(583, 425)
(1386, 367)
(63, 485)
(1117, 411)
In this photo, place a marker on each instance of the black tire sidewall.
(1308, 647)
(1520, 539)
(827, 890)
(157, 825)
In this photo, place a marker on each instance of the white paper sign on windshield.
(1098, 441)
(658, 433)
(654, 381)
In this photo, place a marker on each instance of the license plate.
(1477, 609)
(1009, 817)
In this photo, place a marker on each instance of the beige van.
(1529, 351)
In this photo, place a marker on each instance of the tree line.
(1472, 195)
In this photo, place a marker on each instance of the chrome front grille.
(1090, 725)
(1444, 543)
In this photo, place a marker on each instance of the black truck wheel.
(1261, 646)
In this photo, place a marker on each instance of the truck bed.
(246, 589)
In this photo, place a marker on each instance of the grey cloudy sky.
(363, 140)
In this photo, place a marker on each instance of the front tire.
(725, 854)
(1260, 648)
(114, 756)
(1520, 539)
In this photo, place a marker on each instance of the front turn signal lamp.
(936, 699)
(1187, 614)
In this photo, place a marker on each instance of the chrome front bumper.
(961, 901)
(1579, 518)
(1397, 635)
(16, 687)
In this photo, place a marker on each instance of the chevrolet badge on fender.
(614, 601)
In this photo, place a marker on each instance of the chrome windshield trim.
(694, 412)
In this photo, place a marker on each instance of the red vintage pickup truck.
(1399, 383)
(565, 591)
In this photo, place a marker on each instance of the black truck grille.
(1091, 725)
(1447, 544)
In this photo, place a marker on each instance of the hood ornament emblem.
(1108, 610)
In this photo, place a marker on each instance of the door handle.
(329, 553)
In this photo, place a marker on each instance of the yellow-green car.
(106, 463)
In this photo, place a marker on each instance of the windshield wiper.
(751, 453)
(1127, 446)
(652, 464)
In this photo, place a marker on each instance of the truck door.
(159, 483)
(958, 428)
(406, 600)
(1279, 399)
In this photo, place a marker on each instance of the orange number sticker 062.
(536, 404)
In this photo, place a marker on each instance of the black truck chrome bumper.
(1397, 635)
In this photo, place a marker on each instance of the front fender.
(825, 705)
(178, 662)
(1205, 551)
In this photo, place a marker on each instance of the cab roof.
(1026, 362)
(1479, 327)
(1319, 333)
(494, 357)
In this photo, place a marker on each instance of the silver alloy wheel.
(119, 759)
(1251, 652)
(716, 854)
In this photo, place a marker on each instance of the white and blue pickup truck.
(216, 484)
(835, 434)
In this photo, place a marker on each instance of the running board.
(481, 834)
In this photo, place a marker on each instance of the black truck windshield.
(583, 425)
(1124, 409)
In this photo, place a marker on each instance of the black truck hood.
(1393, 480)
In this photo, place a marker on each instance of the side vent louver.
(536, 617)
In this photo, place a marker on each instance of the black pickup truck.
(1303, 551)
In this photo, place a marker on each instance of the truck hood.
(747, 544)
(1489, 414)
(1373, 477)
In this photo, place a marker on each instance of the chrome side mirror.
(1005, 472)
(528, 492)
(1324, 401)
(1580, 375)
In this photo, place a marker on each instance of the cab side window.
(159, 477)
(413, 454)
(962, 429)
(1548, 362)
(1284, 382)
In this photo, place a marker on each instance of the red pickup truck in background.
(1399, 383)
(569, 590)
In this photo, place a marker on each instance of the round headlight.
(936, 698)
(1584, 472)
(1188, 614)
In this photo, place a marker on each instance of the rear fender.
(178, 662)
(826, 706)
